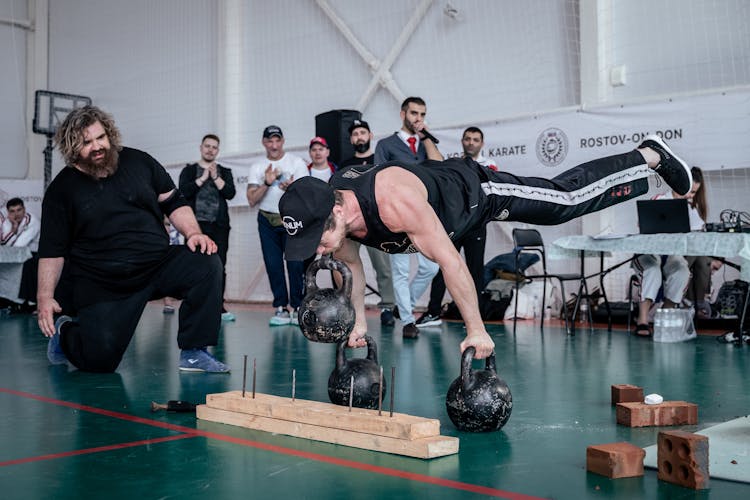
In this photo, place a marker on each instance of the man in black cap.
(403, 208)
(361, 139)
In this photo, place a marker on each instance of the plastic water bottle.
(659, 325)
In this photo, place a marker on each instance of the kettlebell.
(326, 314)
(478, 401)
(366, 373)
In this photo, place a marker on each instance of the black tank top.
(453, 191)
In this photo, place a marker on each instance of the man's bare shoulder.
(399, 192)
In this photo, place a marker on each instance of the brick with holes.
(683, 459)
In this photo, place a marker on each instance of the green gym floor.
(67, 434)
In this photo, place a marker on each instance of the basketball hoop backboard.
(51, 108)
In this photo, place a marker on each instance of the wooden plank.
(399, 426)
(428, 447)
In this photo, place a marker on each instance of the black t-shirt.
(110, 230)
(453, 190)
(367, 160)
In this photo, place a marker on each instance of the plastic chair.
(530, 241)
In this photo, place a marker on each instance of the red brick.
(683, 459)
(626, 393)
(615, 460)
(666, 413)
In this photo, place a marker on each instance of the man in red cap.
(320, 167)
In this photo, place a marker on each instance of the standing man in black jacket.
(207, 186)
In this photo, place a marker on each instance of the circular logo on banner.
(552, 147)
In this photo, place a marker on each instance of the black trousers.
(220, 235)
(583, 189)
(98, 338)
(473, 244)
(29, 277)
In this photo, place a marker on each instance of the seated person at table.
(672, 270)
(701, 266)
(21, 229)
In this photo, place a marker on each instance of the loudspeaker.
(333, 126)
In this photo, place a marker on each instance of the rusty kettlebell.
(366, 373)
(327, 314)
(478, 400)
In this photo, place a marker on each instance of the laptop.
(663, 216)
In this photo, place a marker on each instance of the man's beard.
(105, 168)
(409, 127)
(362, 147)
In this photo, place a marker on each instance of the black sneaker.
(671, 168)
(410, 331)
(386, 317)
(428, 319)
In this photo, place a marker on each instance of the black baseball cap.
(271, 131)
(304, 208)
(357, 124)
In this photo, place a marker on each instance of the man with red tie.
(408, 147)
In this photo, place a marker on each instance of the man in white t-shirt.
(267, 181)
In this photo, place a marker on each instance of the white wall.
(13, 124)
(151, 64)
(163, 68)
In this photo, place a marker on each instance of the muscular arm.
(255, 193)
(402, 202)
(49, 274)
(349, 254)
(183, 219)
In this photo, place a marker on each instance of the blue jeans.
(273, 243)
(406, 293)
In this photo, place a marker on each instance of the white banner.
(709, 131)
(30, 191)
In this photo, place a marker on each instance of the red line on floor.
(474, 488)
(98, 449)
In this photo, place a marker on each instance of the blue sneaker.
(55, 354)
(199, 360)
(280, 317)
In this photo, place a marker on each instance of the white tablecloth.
(11, 269)
(697, 243)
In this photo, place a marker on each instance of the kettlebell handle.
(327, 262)
(466, 358)
(372, 351)
(341, 354)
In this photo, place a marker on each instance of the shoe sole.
(430, 323)
(679, 160)
(278, 323)
(196, 370)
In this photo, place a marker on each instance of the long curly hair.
(69, 135)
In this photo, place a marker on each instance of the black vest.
(453, 191)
